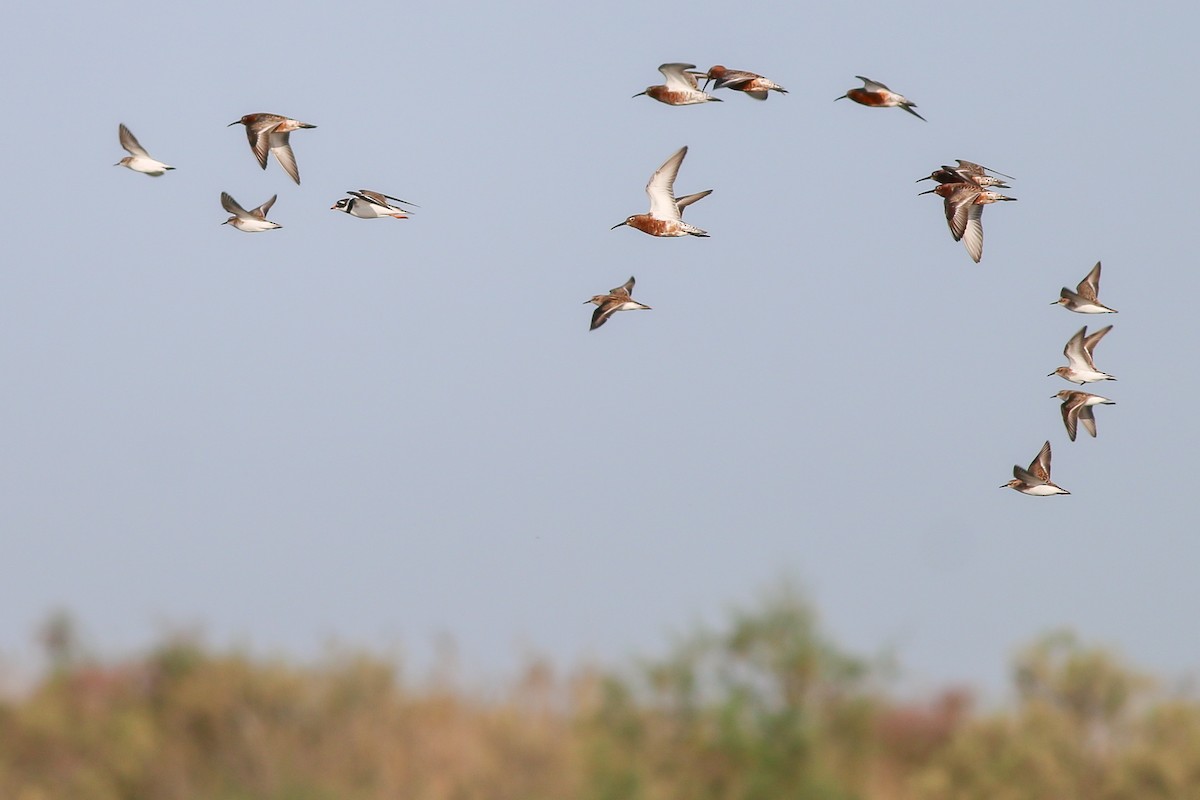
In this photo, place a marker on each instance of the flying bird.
(666, 213)
(1036, 479)
(367, 204)
(268, 133)
(680, 88)
(874, 93)
(1085, 298)
(616, 300)
(968, 171)
(254, 221)
(750, 83)
(1077, 407)
(138, 159)
(964, 202)
(1079, 352)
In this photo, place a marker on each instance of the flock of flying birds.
(269, 135)
(965, 190)
(1080, 368)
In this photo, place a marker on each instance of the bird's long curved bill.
(619, 224)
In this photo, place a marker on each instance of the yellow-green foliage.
(764, 709)
(184, 723)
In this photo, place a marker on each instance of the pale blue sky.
(377, 431)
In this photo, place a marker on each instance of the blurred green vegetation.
(763, 708)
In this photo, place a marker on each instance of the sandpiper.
(254, 221)
(680, 88)
(616, 300)
(666, 213)
(874, 93)
(1077, 407)
(138, 159)
(1036, 479)
(968, 171)
(964, 202)
(368, 204)
(751, 83)
(1080, 367)
(1085, 298)
(269, 133)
